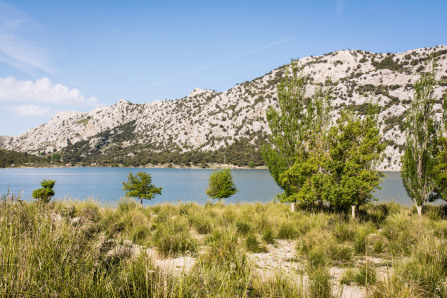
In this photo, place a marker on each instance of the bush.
(286, 231)
(173, 238)
(242, 227)
(252, 244)
(319, 283)
(366, 275)
(267, 236)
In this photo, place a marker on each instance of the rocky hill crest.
(206, 120)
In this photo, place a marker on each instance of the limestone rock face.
(207, 120)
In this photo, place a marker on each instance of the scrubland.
(87, 249)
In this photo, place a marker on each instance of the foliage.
(10, 158)
(306, 176)
(354, 148)
(46, 192)
(440, 168)
(286, 126)
(221, 185)
(140, 186)
(97, 255)
(419, 159)
(295, 130)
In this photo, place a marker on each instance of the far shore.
(165, 166)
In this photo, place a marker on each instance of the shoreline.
(167, 166)
(164, 166)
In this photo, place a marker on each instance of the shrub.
(242, 227)
(366, 275)
(173, 238)
(252, 244)
(267, 236)
(287, 231)
(319, 283)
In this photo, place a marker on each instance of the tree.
(291, 128)
(307, 174)
(139, 186)
(354, 148)
(44, 194)
(221, 185)
(440, 169)
(419, 159)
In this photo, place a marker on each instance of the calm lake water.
(187, 185)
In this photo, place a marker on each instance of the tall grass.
(84, 249)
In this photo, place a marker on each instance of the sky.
(59, 55)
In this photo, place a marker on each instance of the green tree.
(140, 186)
(354, 148)
(291, 128)
(421, 150)
(221, 185)
(307, 174)
(440, 169)
(44, 194)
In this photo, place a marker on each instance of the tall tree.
(140, 186)
(307, 174)
(221, 185)
(421, 149)
(291, 128)
(354, 148)
(440, 169)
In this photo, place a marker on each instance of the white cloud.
(16, 46)
(29, 110)
(41, 91)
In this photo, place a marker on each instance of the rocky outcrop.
(208, 120)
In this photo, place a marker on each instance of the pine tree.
(44, 194)
(140, 186)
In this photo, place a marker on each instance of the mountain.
(206, 121)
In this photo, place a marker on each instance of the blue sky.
(75, 55)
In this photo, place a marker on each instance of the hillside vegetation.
(9, 158)
(201, 127)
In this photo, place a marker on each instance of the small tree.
(419, 159)
(139, 186)
(44, 194)
(221, 185)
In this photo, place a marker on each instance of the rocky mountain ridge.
(207, 120)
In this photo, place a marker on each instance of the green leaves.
(419, 159)
(44, 194)
(296, 130)
(139, 186)
(221, 185)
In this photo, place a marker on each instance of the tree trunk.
(419, 209)
(353, 211)
(292, 206)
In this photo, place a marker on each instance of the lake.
(187, 185)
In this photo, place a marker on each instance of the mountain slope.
(205, 120)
